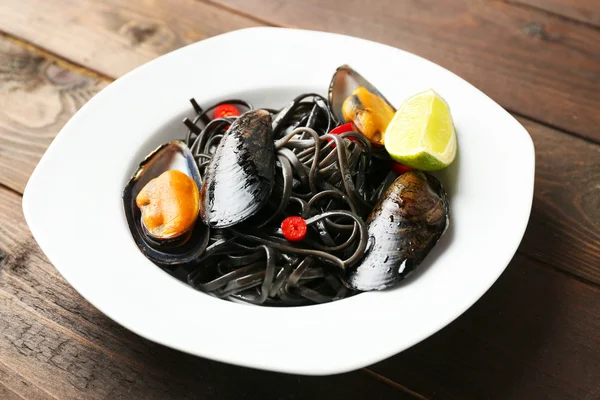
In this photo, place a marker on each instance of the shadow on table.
(490, 352)
(163, 373)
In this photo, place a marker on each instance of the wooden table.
(534, 335)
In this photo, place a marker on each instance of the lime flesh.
(421, 135)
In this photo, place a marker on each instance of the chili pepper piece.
(226, 110)
(294, 229)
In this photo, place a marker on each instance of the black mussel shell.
(344, 81)
(404, 226)
(170, 252)
(239, 178)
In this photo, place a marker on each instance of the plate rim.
(31, 210)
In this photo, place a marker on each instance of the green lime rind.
(422, 161)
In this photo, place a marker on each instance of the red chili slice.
(294, 229)
(343, 129)
(400, 168)
(226, 110)
(349, 127)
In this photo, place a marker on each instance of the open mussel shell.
(343, 83)
(404, 226)
(239, 177)
(184, 248)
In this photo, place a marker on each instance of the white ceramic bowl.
(72, 203)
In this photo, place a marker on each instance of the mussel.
(161, 202)
(353, 99)
(404, 226)
(239, 178)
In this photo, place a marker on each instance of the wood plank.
(7, 394)
(586, 11)
(583, 154)
(534, 335)
(15, 385)
(531, 62)
(29, 300)
(564, 227)
(563, 230)
(37, 97)
(115, 36)
(65, 349)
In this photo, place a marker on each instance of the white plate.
(72, 203)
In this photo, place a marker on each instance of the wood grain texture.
(531, 62)
(586, 11)
(534, 335)
(53, 344)
(37, 97)
(564, 226)
(115, 36)
(13, 384)
(7, 394)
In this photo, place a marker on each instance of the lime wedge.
(421, 134)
